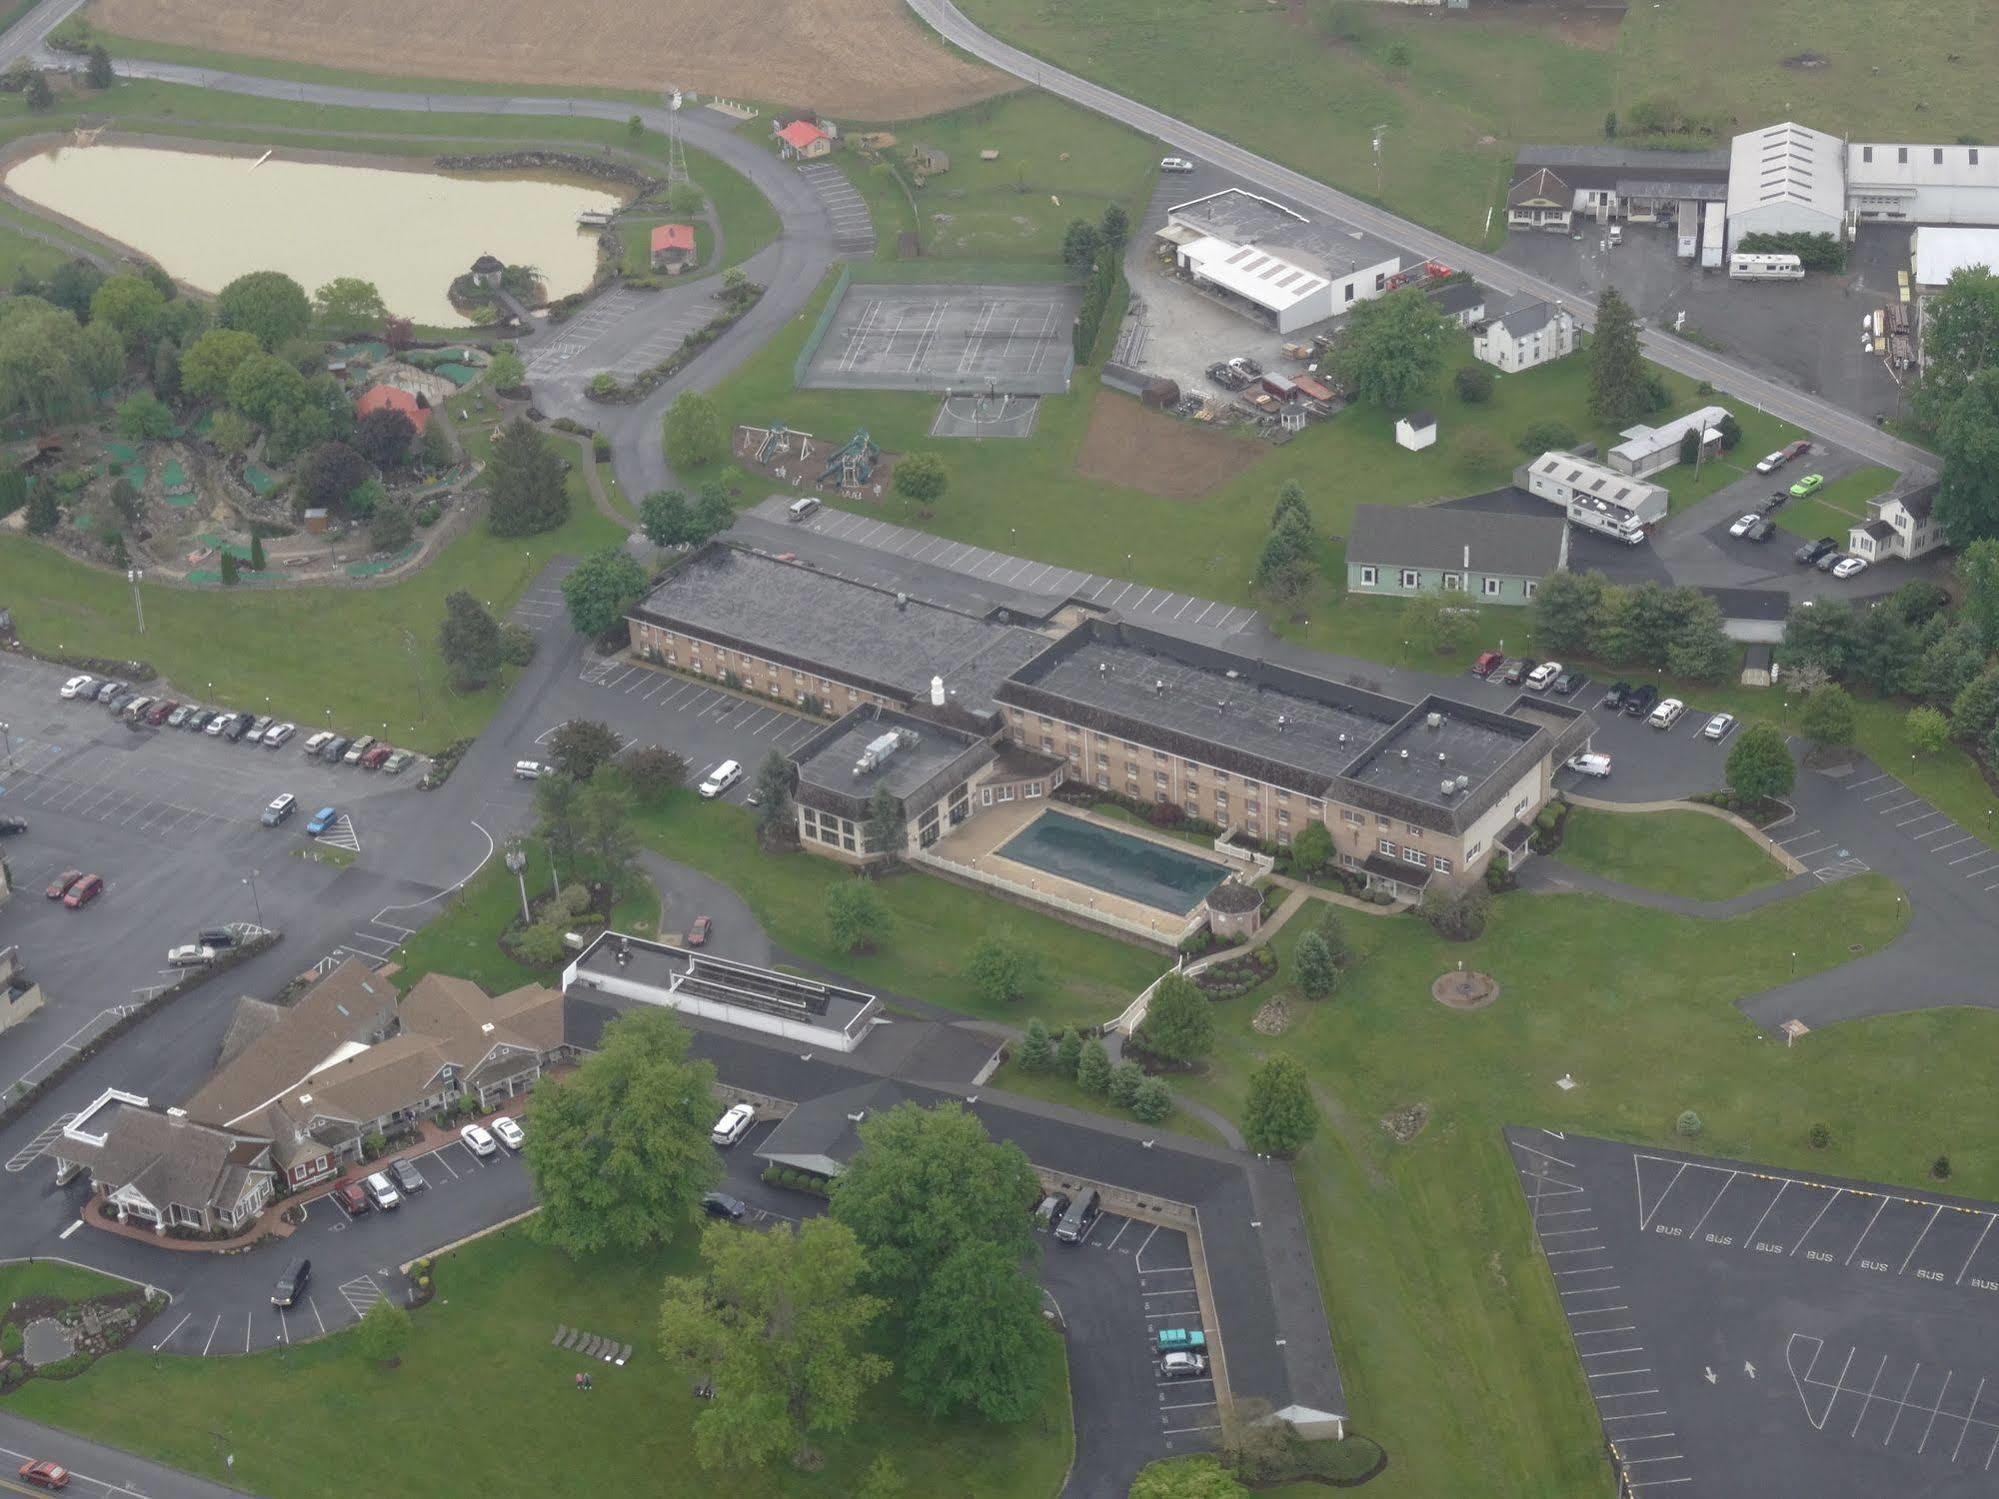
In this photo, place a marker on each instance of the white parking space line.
(1924, 817)
(1956, 843)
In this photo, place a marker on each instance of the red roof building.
(803, 138)
(673, 237)
(393, 398)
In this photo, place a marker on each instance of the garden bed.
(1237, 976)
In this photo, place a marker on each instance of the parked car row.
(1643, 701)
(1517, 671)
(1825, 555)
(137, 708)
(75, 889)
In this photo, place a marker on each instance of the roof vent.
(1435, 720)
(1232, 673)
(1404, 754)
(1449, 787)
(486, 1028)
(1103, 668)
(1440, 757)
(936, 692)
(1343, 739)
(305, 1098)
(1159, 685)
(1280, 723)
(176, 1113)
(902, 601)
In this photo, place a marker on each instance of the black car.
(1514, 672)
(196, 721)
(1568, 682)
(238, 726)
(12, 825)
(1829, 559)
(722, 1205)
(1811, 551)
(408, 1178)
(1761, 531)
(291, 1285)
(1614, 699)
(221, 938)
(1777, 500)
(1640, 702)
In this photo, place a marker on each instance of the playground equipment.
(852, 464)
(768, 445)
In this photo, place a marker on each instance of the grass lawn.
(19, 252)
(1839, 505)
(1050, 1088)
(1088, 977)
(369, 655)
(1450, 1336)
(317, 1421)
(53, 1278)
(1458, 91)
(1027, 496)
(1679, 853)
(462, 938)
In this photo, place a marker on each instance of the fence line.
(1152, 933)
(819, 330)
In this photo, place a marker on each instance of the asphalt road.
(1776, 397)
(96, 1471)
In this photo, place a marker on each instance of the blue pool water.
(1118, 863)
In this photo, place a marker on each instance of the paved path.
(1549, 874)
(1784, 401)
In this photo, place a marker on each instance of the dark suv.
(1811, 551)
(291, 1285)
(1614, 699)
(1640, 702)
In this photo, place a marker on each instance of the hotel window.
(1348, 861)
(847, 842)
(1367, 577)
(1283, 836)
(1221, 805)
(1103, 781)
(1075, 755)
(1034, 788)
(1160, 796)
(1102, 758)
(1473, 851)
(1442, 864)
(1348, 815)
(1386, 847)
(1410, 827)
(1159, 755)
(1380, 821)
(1283, 818)
(1520, 806)
(1491, 586)
(1159, 778)
(1222, 776)
(1047, 744)
(1410, 577)
(1313, 806)
(1006, 793)
(1283, 798)
(1414, 856)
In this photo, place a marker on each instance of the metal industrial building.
(1272, 264)
(1915, 184)
(1785, 179)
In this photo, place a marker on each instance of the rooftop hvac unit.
(1463, 782)
(880, 748)
(1450, 786)
(1435, 720)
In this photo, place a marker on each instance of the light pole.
(251, 880)
(8, 731)
(554, 880)
(518, 863)
(132, 576)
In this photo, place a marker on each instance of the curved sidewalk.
(1548, 875)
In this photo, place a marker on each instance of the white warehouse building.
(1786, 179)
(1563, 478)
(1273, 264)
(1923, 184)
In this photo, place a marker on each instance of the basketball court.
(977, 340)
(982, 415)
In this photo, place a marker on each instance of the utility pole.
(517, 861)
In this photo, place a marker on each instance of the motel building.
(972, 725)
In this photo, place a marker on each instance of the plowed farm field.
(861, 59)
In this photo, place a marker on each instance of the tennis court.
(970, 339)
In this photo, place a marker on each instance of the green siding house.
(1489, 557)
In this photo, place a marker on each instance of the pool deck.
(976, 842)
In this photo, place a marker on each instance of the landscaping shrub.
(1821, 1136)
(1456, 915)
(1688, 1125)
(1165, 814)
(1542, 436)
(1237, 976)
(1474, 383)
(1940, 1168)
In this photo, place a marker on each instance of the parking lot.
(1954, 851)
(703, 723)
(1747, 1330)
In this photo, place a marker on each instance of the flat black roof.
(893, 644)
(1441, 740)
(926, 754)
(1233, 711)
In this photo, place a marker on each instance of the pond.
(209, 217)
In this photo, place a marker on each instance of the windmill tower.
(676, 153)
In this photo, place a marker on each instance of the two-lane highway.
(1792, 405)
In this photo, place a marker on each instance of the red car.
(59, 886)
(84, 891)
(44, 1474)
(697, 935)
(374, 758)
(160, 711)
(1796, 450)
(1487, 663)
(353, 1197)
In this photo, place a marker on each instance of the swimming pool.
(1114, 862)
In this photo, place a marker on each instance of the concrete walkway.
(1550, 876)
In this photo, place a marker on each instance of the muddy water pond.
(208, 217)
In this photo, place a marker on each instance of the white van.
(1590, 765)
(802, 509)
(733, 1125)
(1667, 713)
(721, 778)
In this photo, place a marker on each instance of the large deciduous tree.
(1826, 720)
(856, 919)
(131, 304)
(384, 436)
(1200, 1477)
(922, 477)
(1179, 1024)
(525, 477)
(210, 361)
(1967, 502)
(601, 588)
(666, 518)
(1760, 766)
(618, 1150)
(694, 436)
(347, 304)
(1565, 611)
(976, 1341)
(582, 747)
(1392, 348)
(779, 1320)
(1279, 1115)
(1002, 969)
(1960, 338)
(268, 304)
